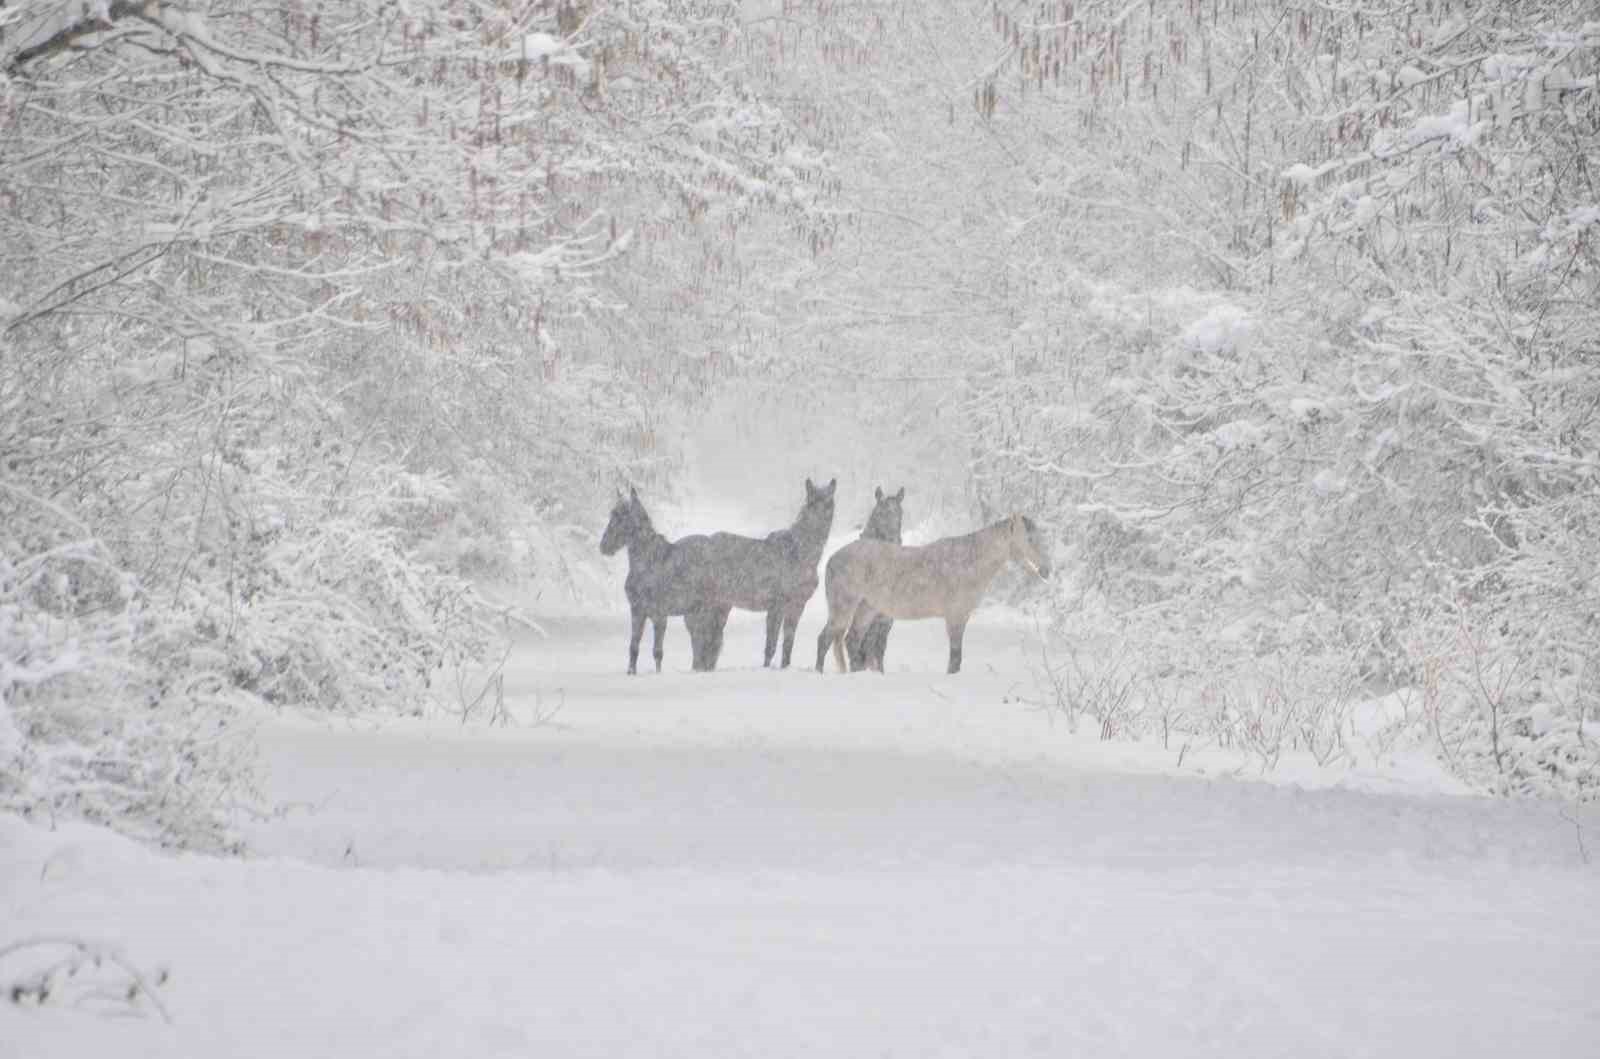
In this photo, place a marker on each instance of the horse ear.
(877, 494)
(833, 483)
(811, 490)
(633, 493)
(901, 495)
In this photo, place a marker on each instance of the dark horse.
(648, 553)
(865, 643)
(704, 577)
(776, 574)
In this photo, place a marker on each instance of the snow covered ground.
(757, 863)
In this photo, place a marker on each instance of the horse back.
(757, 573)
(898, 581)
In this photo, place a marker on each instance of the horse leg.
(716, 625)
(838, 640)
(633, 642)
(774, 620)
(697, 640)
(876, 643)
(855, 647)
(791, 624)
(661, 635)
(863, 643)
(837, 624)
(832, 634)
(957, 627)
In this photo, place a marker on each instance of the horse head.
(886, 518)
(628, 521)
(1028, 546)
(819, 506)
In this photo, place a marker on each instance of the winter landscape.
(1208, 392)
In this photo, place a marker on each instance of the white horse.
(945, 579)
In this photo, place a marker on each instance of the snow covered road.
(780, 864)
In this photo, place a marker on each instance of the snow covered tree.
(303, 306)
(1373, 445)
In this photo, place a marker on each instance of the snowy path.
(775, 864)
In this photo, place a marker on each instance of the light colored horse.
(945, 579)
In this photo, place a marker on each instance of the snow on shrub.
(90, 725)
(1224, 329)
(125, 700)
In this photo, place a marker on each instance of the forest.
(320, 319)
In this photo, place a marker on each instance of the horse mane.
(788, 540)
(876, 527)
(799, 519)
(645, 525)
(806, 538)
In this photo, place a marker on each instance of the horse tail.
(857, 609)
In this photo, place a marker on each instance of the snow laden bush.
(1505, 674)
(144, 606)
(86, 726)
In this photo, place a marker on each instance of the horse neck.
(811, 534)
(874, 530)
(992, 546)
(644, 544)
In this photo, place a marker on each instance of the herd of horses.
(869, 583)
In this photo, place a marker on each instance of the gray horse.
(776, 574)
(945, 579)
(704, 577)
(868, 638)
